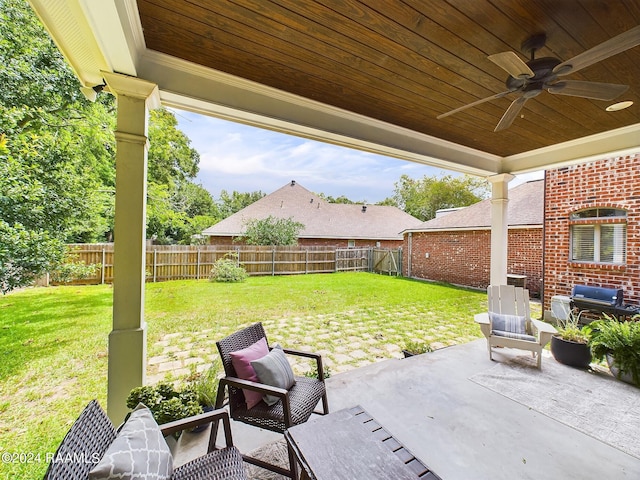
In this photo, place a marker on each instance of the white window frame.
(597, 219)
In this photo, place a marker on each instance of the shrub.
(165, 402)
(417, 347)
(272, 231)
(73, 269)
(226, 269)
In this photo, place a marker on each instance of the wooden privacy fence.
(178, 262)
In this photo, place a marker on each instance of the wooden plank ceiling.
(406, 62)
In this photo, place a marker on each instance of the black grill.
(601, 300)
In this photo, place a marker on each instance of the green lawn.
(53, 341)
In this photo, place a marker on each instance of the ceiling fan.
(530, 79)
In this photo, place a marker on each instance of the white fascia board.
(468, 229)
(350, 237)
(117, 31)
(187, 86)
(68, 26)
(94, 35)
(614, 143)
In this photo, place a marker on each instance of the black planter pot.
(570, 353)
(203, 427)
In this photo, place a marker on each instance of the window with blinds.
(596, 241)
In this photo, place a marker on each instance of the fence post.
(273, 261)
(104, 260)
(198, 265)
(306, 261)
(155, 254)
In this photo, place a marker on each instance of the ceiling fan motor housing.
(543, 69)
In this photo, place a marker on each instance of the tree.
(194, 200)
(55, 153)
(272, 231)
(236, 201)
(25, 254)
(171, 157)
(341, 199)
(57, 158)
(422, 198)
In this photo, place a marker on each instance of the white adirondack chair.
(508, 322)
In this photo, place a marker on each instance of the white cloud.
(238, 157)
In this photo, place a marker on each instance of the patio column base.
(127, 368)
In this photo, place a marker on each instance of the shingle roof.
(321, 219)
(525, 207)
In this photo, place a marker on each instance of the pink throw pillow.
(241, 361)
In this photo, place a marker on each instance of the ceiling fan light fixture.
(619, 106)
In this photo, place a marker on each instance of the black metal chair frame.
(293, 408)
(92, 433)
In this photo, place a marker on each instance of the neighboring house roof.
(525, 208)
(320, 218)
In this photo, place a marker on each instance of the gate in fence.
(178, 262)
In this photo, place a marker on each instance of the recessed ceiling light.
(619, 106)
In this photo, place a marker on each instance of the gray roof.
(321, 219)
(525, 208)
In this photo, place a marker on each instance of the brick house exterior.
(613, 183)
(456, 248)
(325, 224)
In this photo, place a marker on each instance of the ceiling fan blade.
(512, 64)
(595, 90)
(613, 46)
(511, 114)
(477, 102)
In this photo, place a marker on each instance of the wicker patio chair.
(295, 406)
(92, 433)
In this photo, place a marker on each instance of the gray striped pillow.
(274, 369)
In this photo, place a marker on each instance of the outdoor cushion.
(508, 323)
(241, 361)
(274, 369)
(139, 451)
(519, 336)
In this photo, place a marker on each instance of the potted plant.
(205, 385)
(570, 345)
(618, 343)
(165, 401)
(416, 347)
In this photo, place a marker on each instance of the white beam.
(614, 143)
(191, 87)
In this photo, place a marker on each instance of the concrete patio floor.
(462, 430)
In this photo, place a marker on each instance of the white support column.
(127, 340)
(499, 227)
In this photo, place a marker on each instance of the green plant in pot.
(205, 385)
(618, 343)
(416, 347)
(570, 345)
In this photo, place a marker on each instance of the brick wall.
(613, 183)
(464, 257)
(321, 242)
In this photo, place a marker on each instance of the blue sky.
(238, 157)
